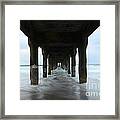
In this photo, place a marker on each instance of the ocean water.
(60, 86)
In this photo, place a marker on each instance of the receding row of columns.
(52, 63)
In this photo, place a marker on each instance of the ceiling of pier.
(58, 36)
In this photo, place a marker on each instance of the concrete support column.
(73, 64)
(54, 63)
(33, 65)
(68, 64)
(64, 64)
(44, 53)
(49, 65)
(83, 62)
(44, 65)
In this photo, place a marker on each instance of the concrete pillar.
(83, 62)
(51, 62)
(68, 64)
(73, 64)
(64, 64)
(54, 61)
(49, 65)
(34, 65)
(44, 65)
(54, 64)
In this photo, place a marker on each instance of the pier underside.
(59, 40)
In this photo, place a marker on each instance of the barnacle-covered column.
(33, 63)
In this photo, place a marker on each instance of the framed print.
(59, 59)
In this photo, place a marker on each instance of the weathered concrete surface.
(59, 86)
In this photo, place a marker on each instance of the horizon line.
(47, 65)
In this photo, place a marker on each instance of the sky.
(93, 49)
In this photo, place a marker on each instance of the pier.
(59, 40)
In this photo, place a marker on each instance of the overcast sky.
(93, 49)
